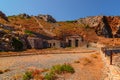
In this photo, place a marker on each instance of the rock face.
(47, 18)
(107, 26)
(3, 16)
(24, 15)
(6, 39)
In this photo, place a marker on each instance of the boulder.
(47, 18)
(24, 15)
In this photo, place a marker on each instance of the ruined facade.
(35, 43)
(74, 41)
(56, 44)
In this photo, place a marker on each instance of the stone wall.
(74, 41)
(113, 71)
(36, 43)
(55, 44)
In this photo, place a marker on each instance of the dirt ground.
(86, 62)
(88, 68)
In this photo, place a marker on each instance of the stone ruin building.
(74, 41)
(56, 44)
(71, 41)
(34, 42)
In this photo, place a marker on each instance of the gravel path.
(19, 64)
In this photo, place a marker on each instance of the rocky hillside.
(107, 26)
(46, 26)
(3, 17)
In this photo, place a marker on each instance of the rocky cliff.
(17, 26)
(107, 26)
(47, 18)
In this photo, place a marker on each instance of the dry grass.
(86, 61)
(94, 55)
(1, 72)
(17, 76)
(77, 61)
(7, 70)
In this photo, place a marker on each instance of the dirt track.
(19, 64)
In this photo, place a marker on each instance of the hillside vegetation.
(90, 27)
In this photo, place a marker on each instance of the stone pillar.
(72, 42)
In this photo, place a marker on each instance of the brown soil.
(88, 68)
(87, 64)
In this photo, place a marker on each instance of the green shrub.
(17, 44)
(28, 32)
(67, 68)
(50, 76)
(62, 68)
(58, 69)
(27, 76)
(87, 26)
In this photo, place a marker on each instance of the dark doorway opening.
(50, 45)
(76, 43)
(54, 44)
(69, 43)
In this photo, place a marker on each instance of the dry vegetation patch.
(88, 68)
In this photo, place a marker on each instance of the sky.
(61, 10)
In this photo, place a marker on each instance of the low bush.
(62, 68)
(59, 69)
(27, 76)
(50, 76)
(17, 44)
(86, 61)
(34, 74)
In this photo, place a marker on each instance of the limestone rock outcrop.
(47, 18)
(24, 15)
(107, 26)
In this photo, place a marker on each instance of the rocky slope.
(3, 17)
(107, 26)
(45, 26)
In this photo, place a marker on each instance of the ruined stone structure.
(74, 41)
(35, 43)
(56, 44)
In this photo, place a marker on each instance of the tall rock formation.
(107, 26)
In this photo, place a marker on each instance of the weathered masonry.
(55, 44)
(74, 41)
(36, 43)
(71, 41)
